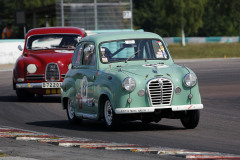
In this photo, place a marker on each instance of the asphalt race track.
(218, 130)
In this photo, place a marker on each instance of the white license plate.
(51, 84)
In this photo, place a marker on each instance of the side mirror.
(89, 50)
(20, 47)
(79, 38)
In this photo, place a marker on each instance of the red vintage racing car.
(44, 62)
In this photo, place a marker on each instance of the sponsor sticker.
(159, 43)
(159, 54)
(165, 54)
(130, 42)
(104, 59)
(162, 48)
(103, 52)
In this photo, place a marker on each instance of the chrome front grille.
(160, 91)
(52, 72)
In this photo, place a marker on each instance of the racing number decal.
(84, 89)
(79, 97)
(82, 94)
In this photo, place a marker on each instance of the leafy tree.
(221, 18)
(193, 11)
(8, 8)
(167, 17)
(150, 16)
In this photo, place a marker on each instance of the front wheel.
(71, 113)
(190, 119)
(110, 117)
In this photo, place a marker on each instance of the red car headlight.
(31, 68)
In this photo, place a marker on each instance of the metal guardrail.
(170, 40)
(9, 47)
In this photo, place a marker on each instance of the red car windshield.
(53, 41)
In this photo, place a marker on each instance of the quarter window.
(77, 55)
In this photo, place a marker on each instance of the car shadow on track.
(88, 125)
(35, 99)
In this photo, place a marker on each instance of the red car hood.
(42, 57)
(51, 55)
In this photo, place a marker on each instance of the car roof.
(98, 38)
(54, 30)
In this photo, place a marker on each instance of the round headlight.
(129, 84)
(31, 68)
(190, 80)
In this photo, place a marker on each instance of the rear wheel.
(71, 113)
(110, 117)
(191, 119)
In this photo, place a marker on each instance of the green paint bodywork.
(105, 80)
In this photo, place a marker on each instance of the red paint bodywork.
(43, 57)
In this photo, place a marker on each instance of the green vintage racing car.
(129, 76)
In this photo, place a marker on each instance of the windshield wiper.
(132, 56)
(40, 48)
(66, 46)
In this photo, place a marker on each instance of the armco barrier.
(9, 48)
(9, 51)
(171, 40)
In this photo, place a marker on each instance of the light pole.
(182, 26)
(62, 14)
(95, 15)
(131, 14)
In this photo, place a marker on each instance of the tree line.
(165, 17)
(197, 17)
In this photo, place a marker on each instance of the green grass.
(3, 155)
(205, 50)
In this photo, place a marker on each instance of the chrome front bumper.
(152, 109)
(37, 88)
(29, 85)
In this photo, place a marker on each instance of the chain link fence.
(96, 14)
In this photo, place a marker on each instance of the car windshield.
(53, 41)
(134, 49)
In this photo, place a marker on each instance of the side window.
(89, 55)
(77, 55)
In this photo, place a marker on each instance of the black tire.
(110, 118)
(23, 95)
(191, 119)
(146, 121)
(71, 113)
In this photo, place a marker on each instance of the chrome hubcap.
(108, 112)
(70, 109)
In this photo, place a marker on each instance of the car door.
(75, 74)
(85, 77)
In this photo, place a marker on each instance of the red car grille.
(52, 72)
